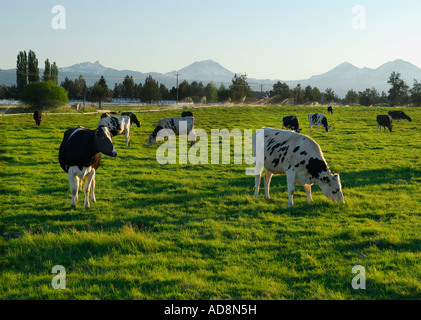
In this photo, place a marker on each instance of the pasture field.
(196, 231)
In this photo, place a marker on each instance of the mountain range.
(342, 78)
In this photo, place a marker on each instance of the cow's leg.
(127, 138)
(291, 187)
(192, 138)
(318, 127)
(74, 186)
(268, 178)
(311, 128)
(87, 188)
(307, 189)
(93, 199)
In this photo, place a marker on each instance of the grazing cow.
(299, 157)
(80, 156)
(317, 119)
(330, 109)
(291, 122)
(37, 117)
(174, 125)
(384, 121)
(133, 118)
(187, 114)
(399, 115)
(117, 126)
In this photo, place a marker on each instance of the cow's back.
(78, 149)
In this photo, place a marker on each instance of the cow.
(117, 126)
(133, 118)
(299, 157)
(330, 109)
(384, 121)
(187, 114)
(317, 119)
(174, 124)
(80, 156)
(291, 122)
(37, 117)
(399, 115)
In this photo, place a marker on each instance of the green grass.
(196, 231)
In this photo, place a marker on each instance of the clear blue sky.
(268, 39)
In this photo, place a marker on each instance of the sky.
(266, 39)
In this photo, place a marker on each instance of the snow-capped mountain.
(87, 67)
(341, 79)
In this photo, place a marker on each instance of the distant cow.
(117, 126)
(399, 115)
(80, 156)
(330, 109)
(179, 126)
(37, 117)
(133, 118)
(299, 157)
(318, 119)
(291, 122)
(187, 114)
(384, 121)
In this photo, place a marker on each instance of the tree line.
(27, 72)
(398, 94)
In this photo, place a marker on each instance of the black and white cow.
(318, 119)
(291, 122)
(133, 118)
(178, 125)
(330, 109)
(117, 126)
(37, 117)
(399, 115)
(187, 114)
(384, 121)
(80, 156)
(299, 157)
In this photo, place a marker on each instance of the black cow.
(330, 109)
(133, 118)
(384, 121)
(187, 114)
(291, 122)
(80, 157)
(37, 117)
(399, 115)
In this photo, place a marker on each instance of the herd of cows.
(297, 156)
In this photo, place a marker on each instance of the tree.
(298, 94)
(47, 71)
(282, 90)
(44, 94)
(330, 95)
(369, 97)
(211, 93)
(70, 87)
(21, 70)
(80, 87)
(54, 73)
(33, 71)
(416, 93)
(150, 91)
(239, 89)
(223, 93)
(127, 90)
(398, 93)
(352, 97)
(99, 92)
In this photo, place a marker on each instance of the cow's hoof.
(72, 207)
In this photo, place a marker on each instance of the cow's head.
(104, 142)
(134, 120)
(151, 140)
(331, 187)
